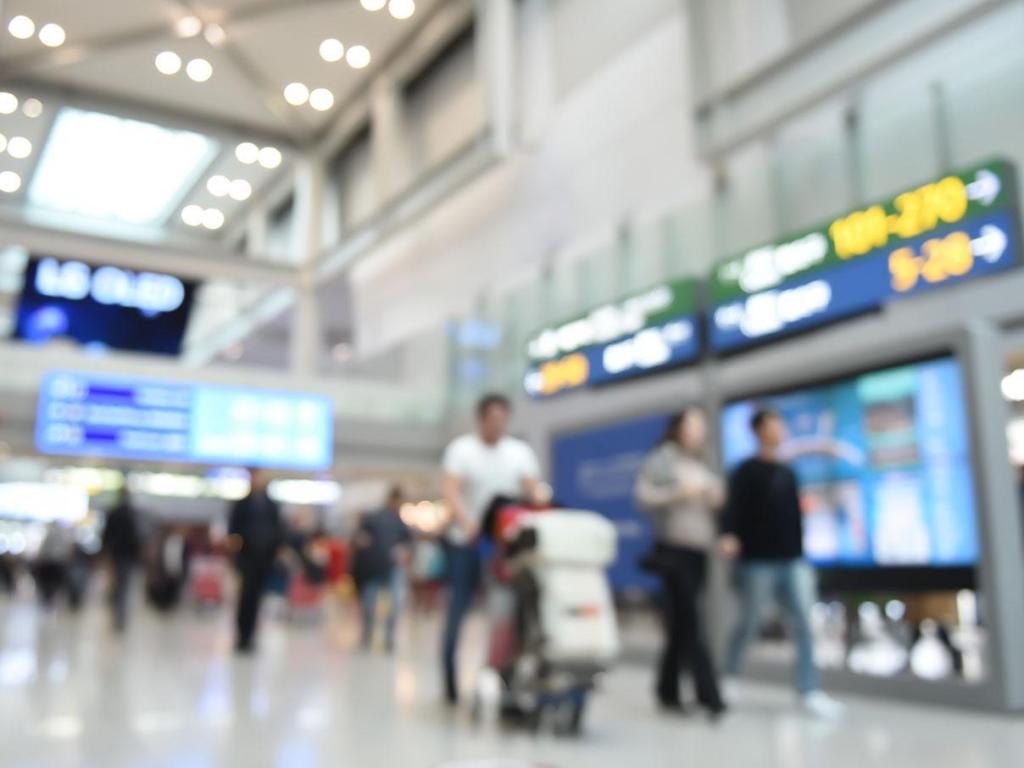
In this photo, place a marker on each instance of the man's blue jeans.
(394, 583)
(464, 572)
(791, 584)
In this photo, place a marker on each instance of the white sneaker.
(820, 704)
(729, 689)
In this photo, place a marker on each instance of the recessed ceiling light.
(240, 190)
(168, 63)
(402, 9)
(247, 153)
(192, 215)
(270, 157)
(21, 27)
(199, 70)
(8, 103)
(373, 5)
(10, 182)
(321, 99)
(19, 147)
(358, 56)
(213, 218)
(215, 34)
(296, 94)
(117, 169)
(3, 142)
(188, 26)
(218, 185)
(32, 108)
(52, 35)
(332, 50)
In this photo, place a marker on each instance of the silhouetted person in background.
(53, 565)
(763, 527)
(257, 532)
(384, 543)
(683, 496)
(121, 543)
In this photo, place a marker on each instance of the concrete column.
(495, 55)
(391, 148)
(536, 93)
(306, 339)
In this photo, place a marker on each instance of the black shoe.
(245, 649)
(451, 690)
(716, 710)
(672, 706)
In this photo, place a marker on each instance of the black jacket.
(763, 510)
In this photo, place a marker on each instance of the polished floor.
(171, 694)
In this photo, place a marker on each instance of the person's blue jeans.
(791, 584)
(464, 566)
(394, 583)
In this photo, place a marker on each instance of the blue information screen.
(596, 469)
(86, 414)
(884, 465)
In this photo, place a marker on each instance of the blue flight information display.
(884, 466)
(88, 414)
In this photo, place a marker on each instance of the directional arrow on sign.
(985, 187)
(990, 244)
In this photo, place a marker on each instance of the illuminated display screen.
(960, 227)
(884, 465)
(103, 306)
(83, 414)
(655, 329)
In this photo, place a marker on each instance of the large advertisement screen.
(85, 414)
(884, 464)
(103, 307)
(596, 469)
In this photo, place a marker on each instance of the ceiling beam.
(197, 261)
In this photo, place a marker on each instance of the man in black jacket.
(121, 545)
(763, 527)
(256, 533)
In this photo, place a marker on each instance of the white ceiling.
(111, 46)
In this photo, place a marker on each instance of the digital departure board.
(954, 229)
(85, 414)
(650, 330)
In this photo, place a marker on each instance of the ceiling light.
(192, 215)
(213, 218)
(373, 5)
(19, 147)
(188, 26)
(247, 153)
(270, 157)
(199, 70)
(22, 27)
(332, 50)
(10, 182)
(168, 63)
(296, 94)
(8, 103)
(117, 169)
(3, 143)
(321, 99)
(402, 9)
(358, 56)
(240, 190)
(32, 108)
(215, 34)
(52, 35)
(218, 186)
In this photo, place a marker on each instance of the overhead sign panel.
(649, 330)
(85, 414)
(947, 231)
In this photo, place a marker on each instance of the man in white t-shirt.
(478, 467)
